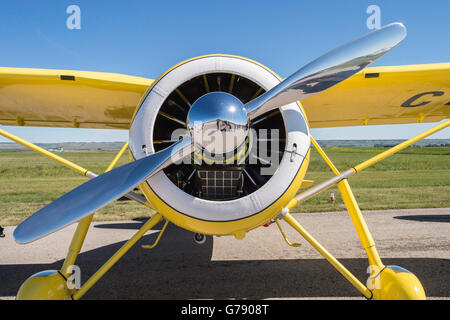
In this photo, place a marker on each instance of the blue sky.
(144, 38)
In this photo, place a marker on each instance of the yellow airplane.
(219, 145)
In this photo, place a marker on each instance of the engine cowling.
(229, 194)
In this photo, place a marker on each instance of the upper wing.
(64, 98)
(377, 95)
(384, 95)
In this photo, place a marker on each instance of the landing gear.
(2, 235)
(385, 282)
(395, 283)
(45, 285)
(199, 238)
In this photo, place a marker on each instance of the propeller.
(220, 116)
(98, 192)
(329, 69)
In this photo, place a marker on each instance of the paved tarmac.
(261, 266)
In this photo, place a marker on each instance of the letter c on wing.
(408, 103)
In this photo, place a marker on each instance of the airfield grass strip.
(414, 178)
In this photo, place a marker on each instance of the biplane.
(220, 144)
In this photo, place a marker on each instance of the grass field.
(414, 178)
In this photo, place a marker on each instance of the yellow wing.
(384, 95)
(378, 95)
(64, 98)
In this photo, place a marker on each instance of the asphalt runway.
(261, 266)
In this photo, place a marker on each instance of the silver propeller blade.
(98, 192)
(330, 69)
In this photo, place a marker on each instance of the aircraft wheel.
(45, 285)
(395, 283)
(199, 238)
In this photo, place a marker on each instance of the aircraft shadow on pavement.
(426, 218)
(180, 269)
(121, 225)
